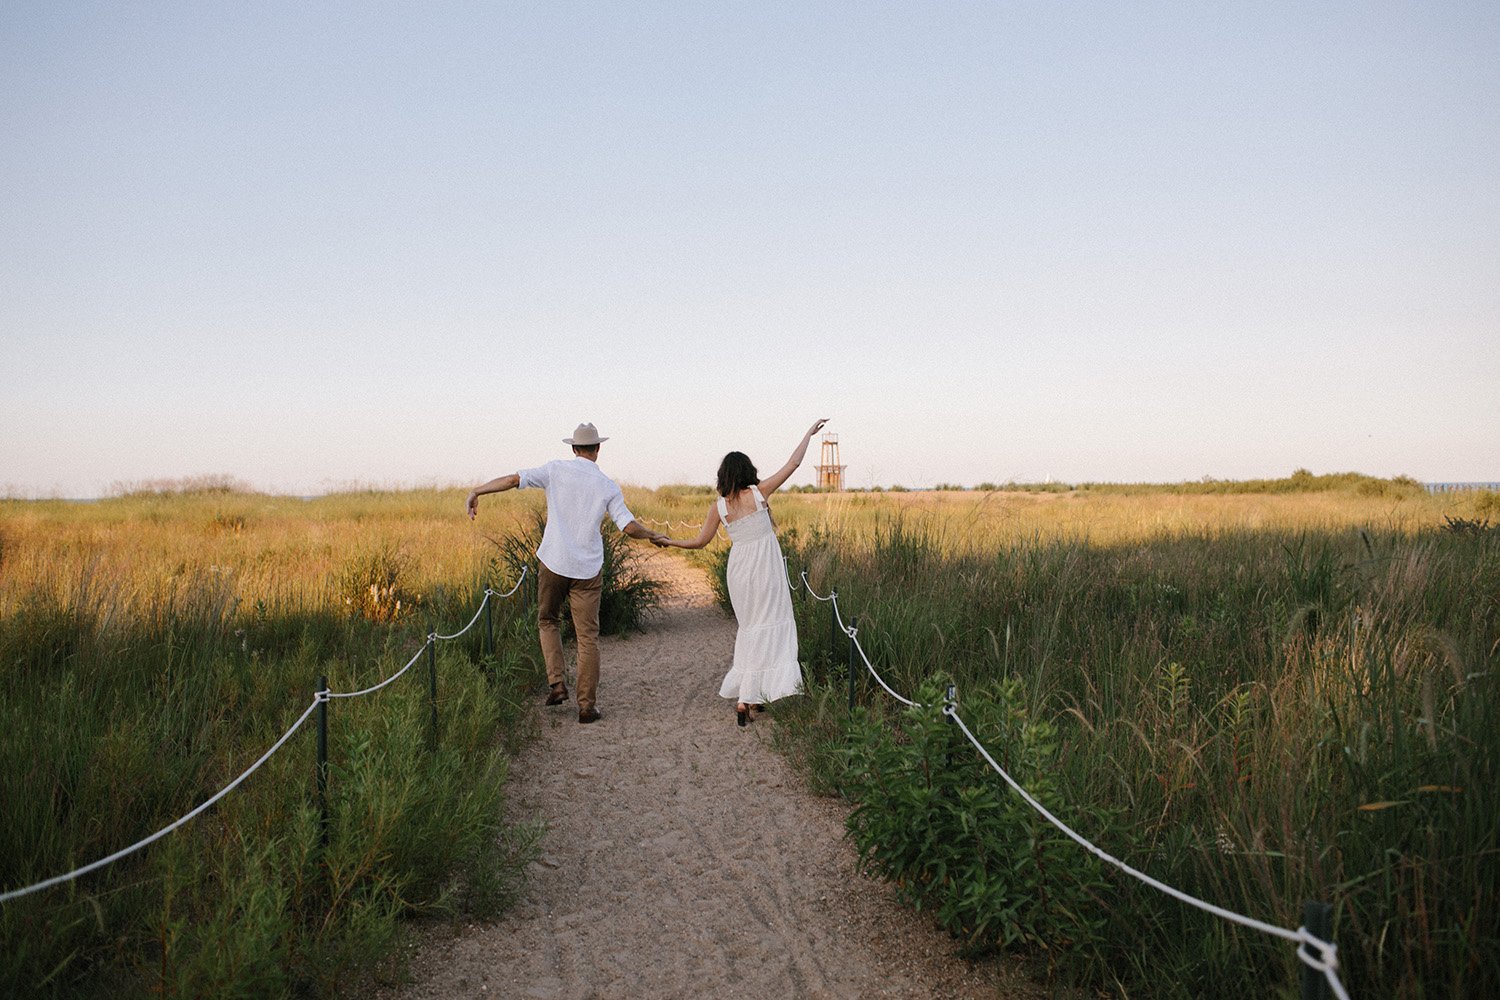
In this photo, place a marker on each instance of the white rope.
(668, 524)
(482, 603)
(831, 593)
(686, 525)
(432, 637)
(519, 580)
(853, 634)
(320, 697)
(376, 687)
(1327, 959)
(1312, 951)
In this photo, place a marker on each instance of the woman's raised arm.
(773, 482)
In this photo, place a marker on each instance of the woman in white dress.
(765, 646)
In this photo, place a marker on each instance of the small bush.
(931, 815)
(629, 596)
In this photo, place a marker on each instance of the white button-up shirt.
(578, 497)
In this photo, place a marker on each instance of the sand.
(684, 858)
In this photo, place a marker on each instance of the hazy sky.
(314, 244)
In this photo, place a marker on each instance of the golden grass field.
(151, 640)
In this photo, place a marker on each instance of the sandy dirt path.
(683, 858)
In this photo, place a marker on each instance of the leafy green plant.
(931, 815)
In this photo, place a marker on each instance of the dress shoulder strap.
(760, 501)
(723, 509)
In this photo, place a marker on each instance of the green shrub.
(931, 815)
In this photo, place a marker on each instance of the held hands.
(659, 540)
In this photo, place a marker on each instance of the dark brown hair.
(585, 449)
(736, 473)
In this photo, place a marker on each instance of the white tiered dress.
(765, 647)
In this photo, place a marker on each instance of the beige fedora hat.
(584, 435)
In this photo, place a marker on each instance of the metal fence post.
(951, 702)
(323, 762)
(432, 685)
(489, 624)
(853, 659)
(1318, 919)
(833, 628)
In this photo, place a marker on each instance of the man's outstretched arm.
(497, 485)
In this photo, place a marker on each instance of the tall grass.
(152, 646)
(1257, 715)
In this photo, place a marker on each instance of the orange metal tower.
(830, 472)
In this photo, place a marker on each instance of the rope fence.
(1317, 953)
(320, 701)
(1314, 952)
(685, 525)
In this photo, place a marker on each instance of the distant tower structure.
(830, 472)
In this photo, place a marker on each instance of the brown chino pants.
(583, 598)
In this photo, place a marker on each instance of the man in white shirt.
(571, 556)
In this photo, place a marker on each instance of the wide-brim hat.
(583, 436)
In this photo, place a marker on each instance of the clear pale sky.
(309, 245)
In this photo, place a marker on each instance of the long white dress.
(765, 647)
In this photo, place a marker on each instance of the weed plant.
(1256, 715)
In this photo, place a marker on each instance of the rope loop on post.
(1326, 959)
(853, 634)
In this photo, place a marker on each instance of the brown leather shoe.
(558, 695)
(589, 715)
